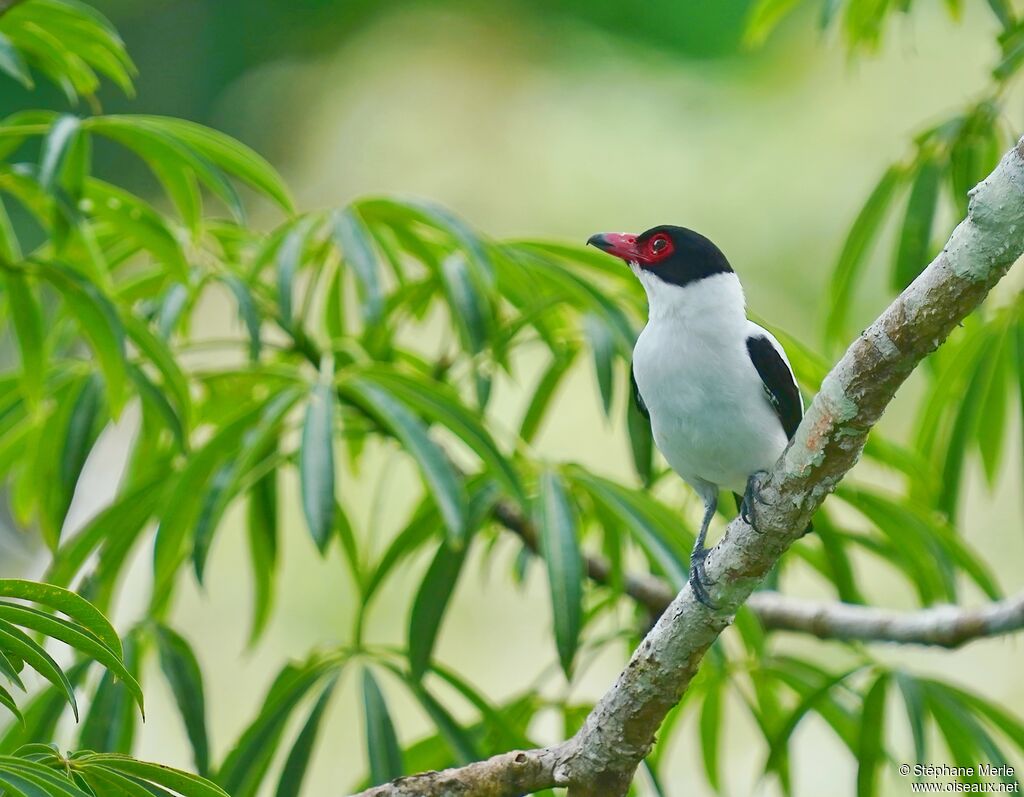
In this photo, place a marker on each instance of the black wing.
(636, 395)
(779, 383)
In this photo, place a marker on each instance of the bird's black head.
(675, 254)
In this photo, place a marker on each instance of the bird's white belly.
(710, 417)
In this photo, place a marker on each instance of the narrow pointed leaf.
(437, 471)
(111, 722)
(13, 63)
(871, 744)
(176, 780)
(99, 322)
(556, 520)
(294, 770)
(711, 717)
(185, 678)
(28, 325)
(262, 528)
(544, 393)
(912, 253)
(429, 606)
(356, 249)
(864, 231)
(56, 147)
(316, 462)
(602, 349)
(385, 756)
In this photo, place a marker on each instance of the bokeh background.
(544, 118)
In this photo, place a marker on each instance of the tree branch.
(942, 626)
(602, 757)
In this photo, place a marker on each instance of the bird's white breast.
(710, 416)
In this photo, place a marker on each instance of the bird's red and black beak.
(620, 244)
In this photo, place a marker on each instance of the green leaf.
(468, 306)
(81, 433)
(247, 312)
(439, 404)
(1009, 725)
(974, 153)
(185, 678)
(913, 699)
(74, 606)
(851, 259)
(457, 739)
(545, 391)
(602, 347)
(12, 62)
(429, 606)
(155, 405)
(99, 322)
(56, 146)
(294, 770)
(42, 713)
(814, 696)
(416, 533)
(926, 538)
(115, 527)
(353, 239)
(182, 510)
(175, 164)
(108, 783)
(1003, 12)
(289, 259)
(262, 527)
(11, 672)
(137, 222)
(650, 524)
(228, 477)
(764, 17)
(172, 304)
(28, 324)
(711, 717)
(316, 460)
(229, 154)
(992, 414)
(385, 756)
(184, 783)
(556, 521)
(437, 471)
(871, 744)
(28, 779)
(245, 767)
(914, 248)
(958, 729)
(158, 353)
(75, 636)
(7, 700)
(110, 724)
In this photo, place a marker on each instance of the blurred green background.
(553, 118)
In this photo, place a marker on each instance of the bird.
(718, 389)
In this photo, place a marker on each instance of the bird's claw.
(750, 497)
(699, 579)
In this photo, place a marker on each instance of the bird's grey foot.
(699, 579)
(750, 497)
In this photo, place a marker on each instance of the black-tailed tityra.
(717, 388)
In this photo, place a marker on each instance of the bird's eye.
(658, 245)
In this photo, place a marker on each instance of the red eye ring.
(659, 244)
